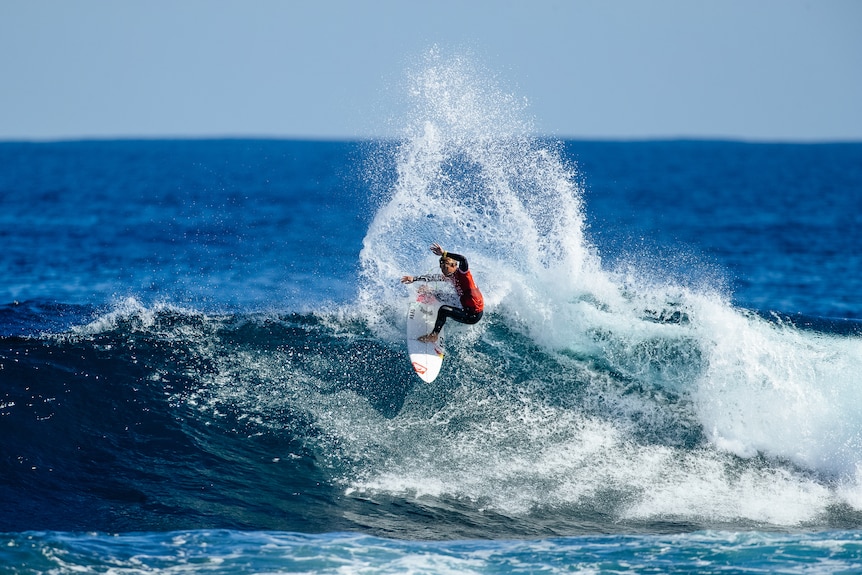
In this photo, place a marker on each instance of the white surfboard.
(426, 358)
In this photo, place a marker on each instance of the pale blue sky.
(743, 69)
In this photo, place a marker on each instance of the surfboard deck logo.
(426, 358)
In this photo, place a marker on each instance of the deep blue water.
(202, 362)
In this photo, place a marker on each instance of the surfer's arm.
(424, 278)
(462, 261)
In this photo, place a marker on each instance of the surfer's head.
(448, 265)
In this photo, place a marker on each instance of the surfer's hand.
(407, 280)
(437, 249)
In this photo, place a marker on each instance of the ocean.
(203, 366)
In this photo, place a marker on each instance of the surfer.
(456, 271)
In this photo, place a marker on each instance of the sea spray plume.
(472, 176)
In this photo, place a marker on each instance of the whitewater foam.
(773, 388)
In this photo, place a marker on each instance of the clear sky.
(742, 69)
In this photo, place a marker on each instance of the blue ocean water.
(202, 364)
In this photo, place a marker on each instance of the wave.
(155, 417)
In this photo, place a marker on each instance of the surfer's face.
(448, 266)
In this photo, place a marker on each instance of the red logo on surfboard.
(419, 368)
(425, 298)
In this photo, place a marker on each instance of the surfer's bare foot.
(430, 338)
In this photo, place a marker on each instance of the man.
(456, 271)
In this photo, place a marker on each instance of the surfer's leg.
(444, 312)
(447, 311)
